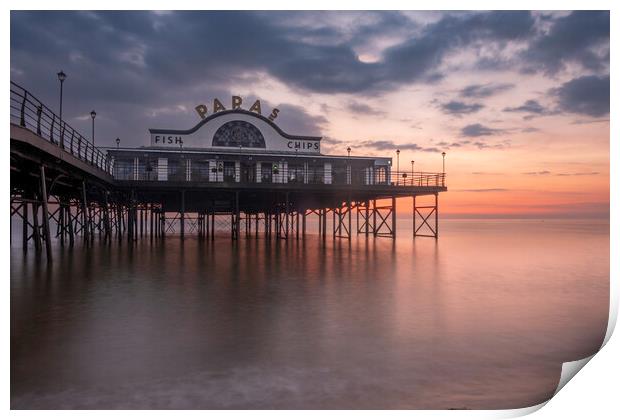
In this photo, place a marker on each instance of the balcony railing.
(29, 112)
(250, 175)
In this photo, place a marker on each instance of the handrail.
(29, 112)
(199, 171)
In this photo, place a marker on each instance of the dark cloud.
(587, 95)
(364, 109)
(295, 120)
(143, 69)
(460, 108)
(582, 37)
(479, 130)
(531, 107)
(484, 91)
(390, 145)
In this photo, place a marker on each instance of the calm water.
(482, 318)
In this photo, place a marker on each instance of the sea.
(481, 318)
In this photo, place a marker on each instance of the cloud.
(390, 145)
(586, 95)
(578, 174)
(537, 173)
(531, 106)
(460, 108)
(484, 91)
(479, 130)
(362, 108)
(295, 120)
(581, 37)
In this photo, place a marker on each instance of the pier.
(235, 171)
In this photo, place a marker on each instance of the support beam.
(46, 220)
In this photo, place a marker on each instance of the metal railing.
(182, 171)
(29, 112)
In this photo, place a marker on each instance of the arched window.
(238, 133)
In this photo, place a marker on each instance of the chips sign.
(237, 101)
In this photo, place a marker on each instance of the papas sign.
(237, 101)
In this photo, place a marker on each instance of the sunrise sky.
(519, 101)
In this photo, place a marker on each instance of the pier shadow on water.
(481, 318)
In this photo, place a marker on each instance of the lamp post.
(118, 142)
(397, 164)
(93, 114)
(61, 78)
(348, 151)
(443, 157)
(412, 162)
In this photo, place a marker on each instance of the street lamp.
(93, 114)
(61, 78)
(443, 156)
(397, 164)
(412, 162)
(349, 151)
(118, 142)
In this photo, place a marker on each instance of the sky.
(518, 101)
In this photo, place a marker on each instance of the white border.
(593, 394)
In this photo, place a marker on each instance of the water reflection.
(482, 318)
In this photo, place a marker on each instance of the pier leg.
(46, 221)
(36, 233)
(394, 217)
(25, 226)
(424, 228)
(84, 213)
(367, 217)
(182, 214)
(70, 225)
(374, 218)
(303, 224)
(436, 215)
(325, 223)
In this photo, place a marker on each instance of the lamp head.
(61, 76)
(93, 114)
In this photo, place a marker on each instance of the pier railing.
(29, 112)
(201, 171)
